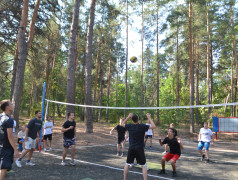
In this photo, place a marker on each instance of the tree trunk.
(14, 71)
(126, 57)
(208, 64)
(197, 82)
(158, 64)
(100, 93)
(23, 47)
(108, 87)
(234, 52)
(97, 72)
(82, 87)
(191, 80)
(88, 70)
(71, 59)
(177, 67)
(141, 86)
(232, 95)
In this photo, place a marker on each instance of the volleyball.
(133, 59)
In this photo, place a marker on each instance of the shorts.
(148, 136)
(139, 154)
(68, 142)
(120, 140)
(6, 158)
(30, 144)
(48, 136)
(202, 144)
(169, 156)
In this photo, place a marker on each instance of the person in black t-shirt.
(33, 132)
(136, 146)
(8, 149)
(121, 137)
(175, 135)
(175, 146)
(69, 138)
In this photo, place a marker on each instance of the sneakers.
(30, 164)
(164, 152)
(51, 149)
(203, 157)
(63, 163)
(45, 149)
(72, 163)
(122, 154)
(118, 154)
(150, 148)
(162, 171)
(18, 163)
(174, 174)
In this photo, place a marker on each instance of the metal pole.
(42, 116)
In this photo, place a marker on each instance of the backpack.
(3, 129)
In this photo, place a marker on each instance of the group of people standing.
(138, 135)
(27, 138)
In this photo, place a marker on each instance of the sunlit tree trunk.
(234, 51)
(197, 81)
(208, 64)
(191, 70)
(126, 58)
(23, 47)
(142, 61)
(108, 87)
(158, 64)
(71, 59)
(88, 70)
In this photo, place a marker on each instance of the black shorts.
(139, 154)
(68, 142)
(6, 158)
(148, 136)
(120, 139)
(48, 136)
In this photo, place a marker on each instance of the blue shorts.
(6, 158)
(202, 144)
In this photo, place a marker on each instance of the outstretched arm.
(180, 143)
(128, 117)
(151, 122)
(160, 141)
(112, 130)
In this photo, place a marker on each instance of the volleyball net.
(105, 116)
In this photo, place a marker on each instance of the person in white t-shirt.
(48, 126)
(20, 138)
(148, 135)
(14, 125)
(204, 139)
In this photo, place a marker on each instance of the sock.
(28, 161)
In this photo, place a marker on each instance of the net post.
(42, 116)
(215, 135)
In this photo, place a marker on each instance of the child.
(48, 126)
(21, 135)
(121, 137)
(204, 139)
(149, 134)
(175, 145)
(175, 135)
